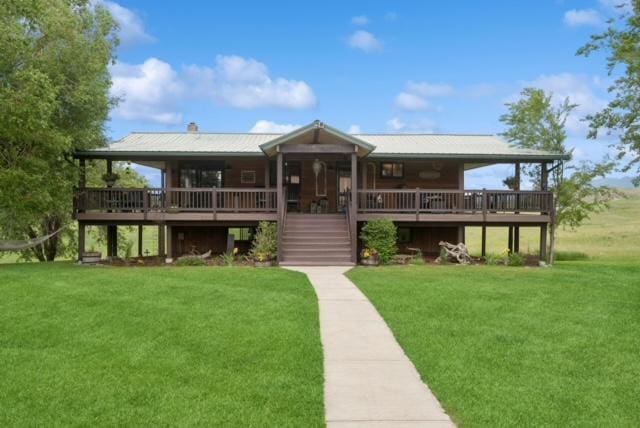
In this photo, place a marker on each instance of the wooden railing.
(176, 200)
(454, 201)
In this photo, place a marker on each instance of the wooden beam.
(82, 182)
(516, 176)
(510, 239)
(169, 250)
(543, 242)
(161, 250)
(516, 239)
(484, 241)
(281, 205)
(267, 173)
(81, 240)
(112, 240)
(544, 176)
(317, 148)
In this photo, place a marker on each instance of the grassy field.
(610, 235)
(503, 346)
(87, 346)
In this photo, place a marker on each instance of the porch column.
(267, 173)
(79, 197)
(484, 241)
(169, 258)
(510, 239)
(544, 177)
(161, 251)
(543, 242)
(140, 240)
(354, 207)
(81, 239)
(112, 229)
(280, 202)
(516, 229)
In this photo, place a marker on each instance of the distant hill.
(619, 183)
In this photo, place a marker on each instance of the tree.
(54, 100)
(621, 42)
(533, 122)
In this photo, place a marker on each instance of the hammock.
(23, 245)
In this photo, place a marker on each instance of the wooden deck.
(160, 205)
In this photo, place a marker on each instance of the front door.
(344, 187)
(292, 178)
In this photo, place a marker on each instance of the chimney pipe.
(192, 127)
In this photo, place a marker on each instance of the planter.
(173, 210)
(91, 258)
(266, 263)
(370, 261)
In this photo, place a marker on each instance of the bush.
(567, 256)
(418, 258)
(444, 257)
(265, 241)
(515, 259)
(494, 259)
(380, 235)
(190, 261)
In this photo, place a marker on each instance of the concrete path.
(369, 381)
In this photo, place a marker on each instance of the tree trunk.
(48, 250)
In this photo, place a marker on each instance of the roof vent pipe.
(192, 127)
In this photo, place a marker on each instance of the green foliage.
(418, 258)
(621, 43)
(380, 235)
(494, 259)
(265, 241)
(567, 256)
(515, 259)
(54, 99)
(444, 257)
(228, 259)
(190, 261)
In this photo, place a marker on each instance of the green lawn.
(504, 346)
(88, 346)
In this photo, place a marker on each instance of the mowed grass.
(504, 346)
(85, 346)
(613, 234)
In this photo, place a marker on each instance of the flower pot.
(91, 257)
(370, 261)
(266, 263)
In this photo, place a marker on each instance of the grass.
(88, 346)
(609, 235)
(506, 346)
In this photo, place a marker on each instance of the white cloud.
(246, 83)
(360, 20)
(579, 89)
(148, 91)
(269, 127)
(420, 126)
(582, 17)
(365, 41)
(414, 97)
(131, 28)
(354, 129)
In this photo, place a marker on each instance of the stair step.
(318, 251)
(316, 234)
(315, 263)
(323, 259)
(289, 243)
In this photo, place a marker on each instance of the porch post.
(169, 250)
(516, 229)
(267, 173)
(543, 242)
(82, 182)
(354, 207)
(112, 229)
(484, 240)
(510, 239)
(280, 203)
(81, 240)
(544, 177)
(139, 240)
(161, 251)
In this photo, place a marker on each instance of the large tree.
(621, 117)
(534, 122)
(54, 99)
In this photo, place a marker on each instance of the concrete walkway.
(369, 381)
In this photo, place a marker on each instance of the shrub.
(444, 257)
(515, 259)
(381, 235)
(418, 258)
(567, 256)
(229, 258)
(494, 259)
(265, 241)
(190, 261)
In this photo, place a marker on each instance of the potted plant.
(173, 209)
(110, 178)
(265, 244)
(370, 257)
(91, 257)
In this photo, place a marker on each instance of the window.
(391, 170)
(241, 233)
(201, 175)
(247, 177)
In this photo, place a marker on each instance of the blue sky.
(373, 67)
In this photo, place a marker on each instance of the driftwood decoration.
(459, 252)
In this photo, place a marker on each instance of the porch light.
(317, 167)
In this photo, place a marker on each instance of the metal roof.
(444, 146)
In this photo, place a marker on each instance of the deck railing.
(176, 199)
(422, 201)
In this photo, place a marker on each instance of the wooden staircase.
(316, 240)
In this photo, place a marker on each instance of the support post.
(516, 229)
(81, 240)
(280, 202)
(82, 182)
(510, 239)
(161, 251)
(354, 207)
(516, 239)
(544, 177)
(169, 258)
(543, 242)
(140, 230)
(267, 173)
(112, 240)
(484, 241)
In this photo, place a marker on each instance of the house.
(319, 184)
